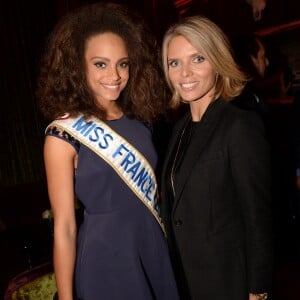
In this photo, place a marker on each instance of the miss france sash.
(125, 159)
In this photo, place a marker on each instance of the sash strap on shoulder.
(123, 157)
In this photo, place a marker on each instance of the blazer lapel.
(197, 145)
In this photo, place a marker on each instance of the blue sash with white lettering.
(125, 159)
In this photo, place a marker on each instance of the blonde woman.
(216, 176)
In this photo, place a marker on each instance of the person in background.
(102, 85)
(270, 80)
(215, 183)
(250, 54)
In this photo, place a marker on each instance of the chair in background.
(37, 283)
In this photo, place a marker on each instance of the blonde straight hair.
(214, 45)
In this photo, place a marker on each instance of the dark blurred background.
(25, 237)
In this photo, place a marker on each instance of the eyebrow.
(108, 59)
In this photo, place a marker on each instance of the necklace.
(176, 156)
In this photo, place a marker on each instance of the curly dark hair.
(62, 83)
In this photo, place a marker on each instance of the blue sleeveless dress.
(122, 253)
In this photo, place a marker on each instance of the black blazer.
(220, 220)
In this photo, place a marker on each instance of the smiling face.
(190, 73)
(107, 64)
